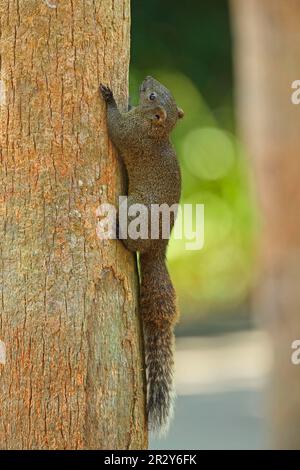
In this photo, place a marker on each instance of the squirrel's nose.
(145, 82)
(148, 79)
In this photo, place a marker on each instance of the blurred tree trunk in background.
(267, 47)
(73, 374)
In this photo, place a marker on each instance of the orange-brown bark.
(73, 376)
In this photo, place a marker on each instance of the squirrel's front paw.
(106, 93)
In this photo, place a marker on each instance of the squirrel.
(141, 136)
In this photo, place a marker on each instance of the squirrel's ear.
(159, 115)
(180, 113)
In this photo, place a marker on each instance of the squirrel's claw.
(105, 92)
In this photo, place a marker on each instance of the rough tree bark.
(267, 62)
(73, 375)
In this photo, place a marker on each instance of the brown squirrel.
(141, 135)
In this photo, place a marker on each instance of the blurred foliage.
(187, 46)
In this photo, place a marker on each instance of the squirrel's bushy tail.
(159, 312)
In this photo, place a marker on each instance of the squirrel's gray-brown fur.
(142, 137)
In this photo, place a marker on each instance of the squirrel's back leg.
(134, 229)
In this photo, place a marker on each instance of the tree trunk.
(73, 373)
(267, 62)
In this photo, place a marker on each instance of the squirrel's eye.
(152, 96)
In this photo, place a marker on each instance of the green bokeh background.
(187, 46)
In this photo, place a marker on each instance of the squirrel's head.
(159, 104)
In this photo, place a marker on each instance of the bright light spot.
(209, 153)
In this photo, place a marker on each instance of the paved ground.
(220, 383)
(229, 420)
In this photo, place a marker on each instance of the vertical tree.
(267, 62)
(73, 373)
